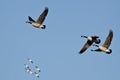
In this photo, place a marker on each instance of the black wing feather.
(86, 46)
(31, 19)
(43, 16)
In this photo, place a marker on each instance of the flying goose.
(37, 68)
(30, 60)
(40, 20)
(90, 41)
(26, 66)
(29, 71)
(36, 74)
(105, 46)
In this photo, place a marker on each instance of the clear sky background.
(56, 48)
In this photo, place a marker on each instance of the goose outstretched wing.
(31, 19)
(108, 39)
(42, 16)
(86, 46)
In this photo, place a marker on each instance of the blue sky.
(56, 48)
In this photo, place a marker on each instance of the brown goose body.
(90, 41)
(107, 43)
(40, 20)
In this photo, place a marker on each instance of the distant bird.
(30, 60)
(26, 66)
(29, 71)
(40, 20)
(37, 75)
(90, 41)
(105, 46)
(37, 68)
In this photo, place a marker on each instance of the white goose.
(105, 46)
(90, 41)
(40, 20)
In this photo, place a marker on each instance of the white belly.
(36, 25)
(104, 49)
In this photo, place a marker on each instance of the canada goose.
(105, 46)
(40, 20)
(29, 71)
(26, 66)
(90, 41)
(30, 60)
(37, 75)
(37, 68)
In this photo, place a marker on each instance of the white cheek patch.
(41, 26)
(107, 50)
(90, 38)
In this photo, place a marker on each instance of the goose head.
(109, 52)
(95, 45)
(97, 41)
(43, 26)
(84, 36)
